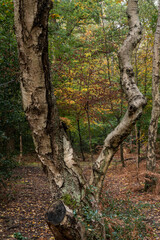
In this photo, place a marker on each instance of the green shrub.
(7, 164)
(19, 236)
(117, 220)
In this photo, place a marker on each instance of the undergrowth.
(116, 219)
(7, 164)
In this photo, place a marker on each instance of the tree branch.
(136, 101)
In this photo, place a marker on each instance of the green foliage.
(19, 236)
(130, 218)
(7, 164)
(12, 118)
(118, 219)
(83, 54)
(84, 39)
(148, 14)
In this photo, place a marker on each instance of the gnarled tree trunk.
(136, 101)
(51, 144)
(67, 184)
(152, 131)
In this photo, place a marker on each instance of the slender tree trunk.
(121, 145)
(137, 127)
(80, 140)
(136, 101)
(89, 131)
(10, 146)
(122, 156)
(152, 132)
(146, 71)
(121, 148)
(138, 144)
(20, 148)
(67, 184)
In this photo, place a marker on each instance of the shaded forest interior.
(25, 197)
(85, 75)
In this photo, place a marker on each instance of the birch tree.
(67, 183)
(152, 131)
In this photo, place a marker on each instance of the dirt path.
(28, 198)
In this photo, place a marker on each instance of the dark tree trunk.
(122, 156)
(80, 140)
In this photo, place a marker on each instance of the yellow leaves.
(105, 62)
(72, 102)
(66, 120)
(118, 1)
(88, 54)
(88, 33)
(55, 15)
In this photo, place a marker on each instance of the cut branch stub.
(56, 213)
(62, 223)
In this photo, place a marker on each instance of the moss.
(69, 201)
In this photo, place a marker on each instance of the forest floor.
(24, 200)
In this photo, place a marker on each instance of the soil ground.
(25, 201)
(26, 198)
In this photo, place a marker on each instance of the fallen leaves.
(24, 213)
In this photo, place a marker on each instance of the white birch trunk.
(51, 144)
(153, 126)
(152, 132)
(136, 101)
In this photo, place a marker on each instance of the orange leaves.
(55, 15)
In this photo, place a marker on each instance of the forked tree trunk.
(152, 131)
(67, 184)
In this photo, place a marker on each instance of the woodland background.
(84, 39)
(85, 74)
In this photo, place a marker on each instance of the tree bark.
(138, 143)
(152, 131)
(136, 101)
(67, 184)
(122, 156)
(51, 144)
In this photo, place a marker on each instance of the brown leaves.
(24, 213)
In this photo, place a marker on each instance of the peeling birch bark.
(136, 101)
(51, 144)
(152, 131)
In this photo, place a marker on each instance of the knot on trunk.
(136, 102)
(129, 72)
